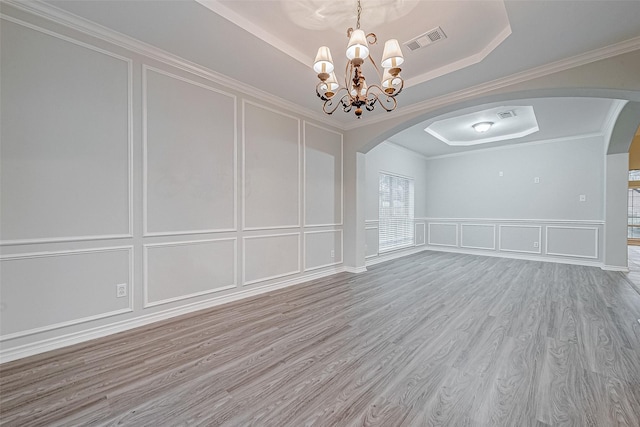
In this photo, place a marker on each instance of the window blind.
(395, 226)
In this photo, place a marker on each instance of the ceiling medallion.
(357, 93)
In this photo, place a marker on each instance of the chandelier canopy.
(356, 92)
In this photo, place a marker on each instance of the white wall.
(119, 168)
(390, 158)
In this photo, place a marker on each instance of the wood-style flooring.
(429, 339)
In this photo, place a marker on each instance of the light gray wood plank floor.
(430, 339)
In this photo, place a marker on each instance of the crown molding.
(59, 16)
(533, 73)
(90, 28)
(520, 145)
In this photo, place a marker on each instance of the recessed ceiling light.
(482, 126)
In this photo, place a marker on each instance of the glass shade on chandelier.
(356, 93)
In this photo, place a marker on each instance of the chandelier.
(356, 92)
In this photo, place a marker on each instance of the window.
(395, 225)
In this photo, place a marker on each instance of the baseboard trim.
(513, 255)
(55, 343)
(615, 268)
(395, 255)
(355, 270)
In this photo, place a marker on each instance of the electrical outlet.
(500, 173)
(535, 244)
(333, 253)
(536, 180)
(121, 290)
(583, 197)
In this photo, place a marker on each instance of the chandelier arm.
(319, 93)
(371, 102)
(400, 88)
(373, 37)
(386, 101)
(332, 104)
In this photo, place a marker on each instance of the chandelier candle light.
(357, 93)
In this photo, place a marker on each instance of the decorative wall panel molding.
(478, 236)
(271, 166)
(372, 241)
(189, 169)
(200, 267)
(323, 176)
(322, 249)
(443, 234)
(520, 238)
(84, 164)
(579, 242)
(270, 257)
(567, 241)
(35, 285)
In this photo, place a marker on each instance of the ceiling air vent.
(426, 39)
(506, 114)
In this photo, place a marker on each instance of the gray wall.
(121, 169)
(393, 159)
(470, 185)
(520, 201)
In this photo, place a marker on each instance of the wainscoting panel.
(271, 166)
(420, 229)
(520, 238)
(580, 242)
(270, 257)
(180, 270)
(443, 234)
(372, 240)
(322, 176)
(478, 236)
(190, 156)
(35, 286)
(66, 170)
(322, 249)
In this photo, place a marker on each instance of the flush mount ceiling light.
(460, 130)
(356, 92)
(482, 126)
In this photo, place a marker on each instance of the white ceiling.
(556, 118)
(268, 45)
(299, 28)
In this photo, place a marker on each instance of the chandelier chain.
(359, 11)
